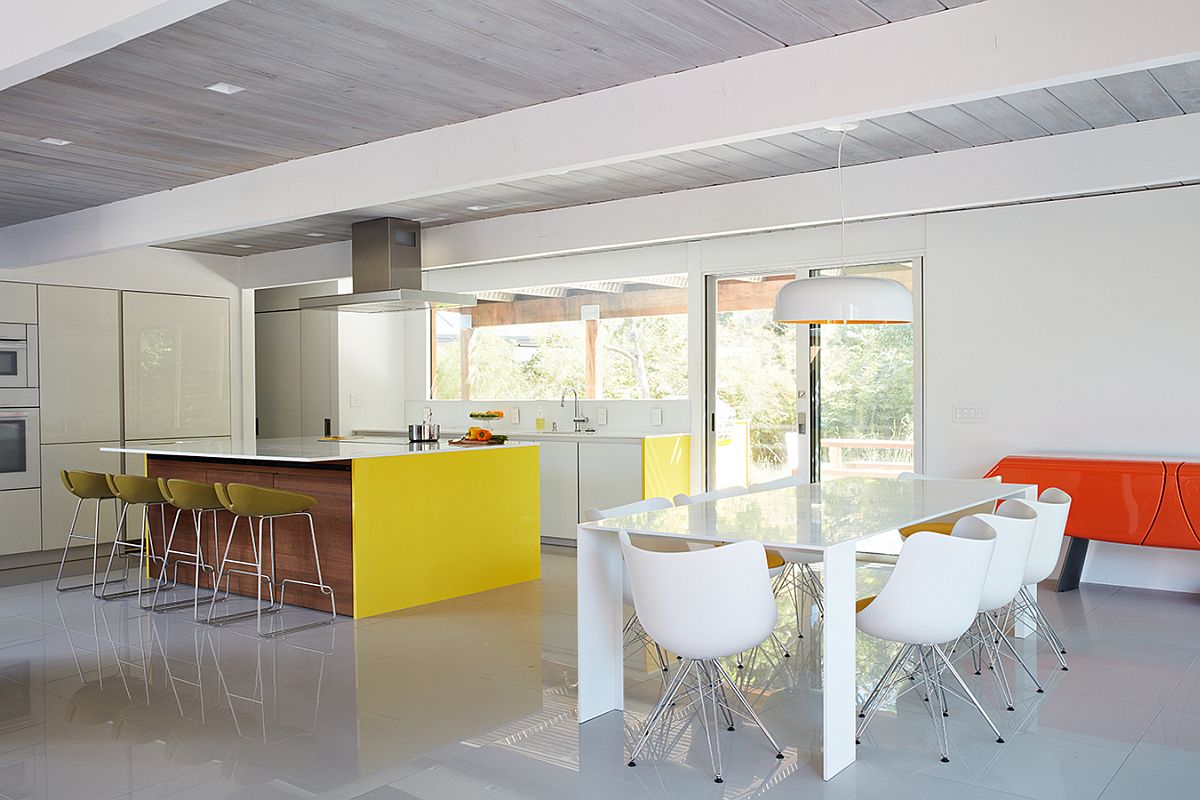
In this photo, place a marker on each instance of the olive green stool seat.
(85, 486)
(196, 499)
(266, 505)
(134, 490)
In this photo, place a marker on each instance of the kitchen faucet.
(578, 419)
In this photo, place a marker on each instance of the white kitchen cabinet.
(278, 366)
(20, 521)
(559, 489)
(610, 474)
(58, 504)
(294, 366)
(18, 302)
(80, 352)
(318, 344)
(176, 355)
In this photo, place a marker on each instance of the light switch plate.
(969, 415)
(514, 415)
(656, 417)
(601, 416)
(356, 400)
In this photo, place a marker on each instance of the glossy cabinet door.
(609, 474)
(18, 302)
(318, 346)
(80, 352)
(559, 489)
(58, 504)
(277, 374)
(176, 352)
(21, 529)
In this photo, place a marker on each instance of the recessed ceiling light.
(243, 246)
(55, 141)
(221, 87)
(315, 235)
(478, 208)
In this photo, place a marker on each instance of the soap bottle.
(539, 422)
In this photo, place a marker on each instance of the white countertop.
(818, 515)
(528, 436)
(305, 450)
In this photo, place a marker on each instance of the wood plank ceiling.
(321, 75)
(1120, 99)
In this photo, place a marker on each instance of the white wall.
(151, 269)
(1074, 325)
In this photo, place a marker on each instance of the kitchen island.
(398, 525)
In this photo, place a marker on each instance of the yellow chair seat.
(258, 501)
(189, 495)
(86, 485)
(774, 559)
(863, 603)
(930, 527)
(136, 489)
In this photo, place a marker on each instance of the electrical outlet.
(514, 415)
(968, 414)
(356, 400)
(656, 417)
(601, 416)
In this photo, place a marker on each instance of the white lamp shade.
(840, 300)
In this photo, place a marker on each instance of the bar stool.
(267, 505)
(134, 490)
(198, 499)
(85, 486)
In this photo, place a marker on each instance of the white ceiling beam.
(1150, 153)
(977, 51)
(603, 287)
(669, 281)
(543, 291)
(40, 36)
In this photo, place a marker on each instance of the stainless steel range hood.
(386, 269)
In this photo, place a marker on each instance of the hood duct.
(386, 269)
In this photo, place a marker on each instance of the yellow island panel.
(442, 525)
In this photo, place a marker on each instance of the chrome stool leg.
(143, 548)
(194, 559)
(94, 539)
(223, 571)
(320, 584)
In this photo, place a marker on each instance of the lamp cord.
(842, 198)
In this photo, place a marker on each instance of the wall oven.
(18, 356)
(20, 440)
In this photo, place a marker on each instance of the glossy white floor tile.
(475, 698)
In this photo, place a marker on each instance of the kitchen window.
(617, 339)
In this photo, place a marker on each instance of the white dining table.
(834, 518)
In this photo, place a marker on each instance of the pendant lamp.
(843, 299)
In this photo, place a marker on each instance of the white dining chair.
(777, 565)
(673, 597)
(1014, 522)
(802, 578)
(932, 596)
(1053, 507)
(633, 634)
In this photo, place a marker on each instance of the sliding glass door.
(815, 401)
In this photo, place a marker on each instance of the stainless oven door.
(20, 455)
(14, 364)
